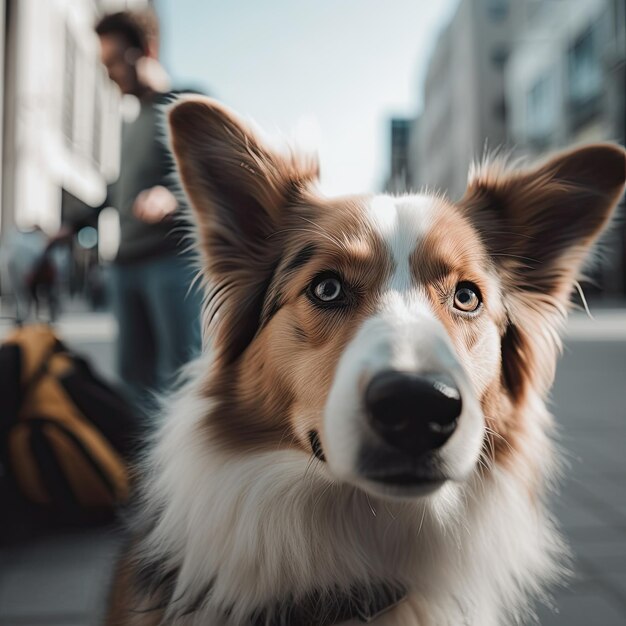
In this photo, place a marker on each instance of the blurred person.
(156, 306)
(21, 260)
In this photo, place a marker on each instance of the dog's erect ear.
(239, 189)
(539, 225)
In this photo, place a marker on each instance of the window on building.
(69, 86)
(499, 110)
(98, 113)
(400, 132)
(499, 55)
(617, 19)
(498, 10)
(541, 109)
(585, 68)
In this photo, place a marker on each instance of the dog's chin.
(402, 486)
(390, 474)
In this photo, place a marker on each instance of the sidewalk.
(589, 402)
(603, 325)
(59, 578)
(91, 334)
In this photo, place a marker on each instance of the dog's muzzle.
(402, 417)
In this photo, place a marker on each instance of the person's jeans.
(158, 314)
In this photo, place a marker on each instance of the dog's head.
(399, 339)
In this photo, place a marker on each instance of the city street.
(60, 578)
(435, 136)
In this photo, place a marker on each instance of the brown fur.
(125, 607)
(537, 226)
(280, 383)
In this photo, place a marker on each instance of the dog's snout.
(411, 412)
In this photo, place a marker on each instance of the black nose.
(413, 413)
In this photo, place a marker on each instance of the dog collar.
(361, 603)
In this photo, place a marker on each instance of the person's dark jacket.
(145, 162)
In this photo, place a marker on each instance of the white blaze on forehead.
(401, 223)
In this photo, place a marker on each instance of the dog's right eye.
(327, 288)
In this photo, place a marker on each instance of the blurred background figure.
(31, 269)
(156, 307)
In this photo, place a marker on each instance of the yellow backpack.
(65, 435)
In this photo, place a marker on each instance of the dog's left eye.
(327, 288)
(467, 297)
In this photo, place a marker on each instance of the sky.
(330, 72)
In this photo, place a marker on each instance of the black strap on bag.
(106, 408)
(10, 387)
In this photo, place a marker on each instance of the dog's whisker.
(500, 437)
(491, 449)
(313, 460)
(332, 238)
(286, 431)
(372, 509)
(389, 512)
(421, 524)
(330, 485)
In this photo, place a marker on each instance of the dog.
(366, 438)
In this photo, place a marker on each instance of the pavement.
(58, 576)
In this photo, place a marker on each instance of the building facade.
(399, 179)
(526, 77)
(464, 110)
(60, 119)
(60, 113)
(564, 74)
(566, 85)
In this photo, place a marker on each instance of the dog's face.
(397, 339)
